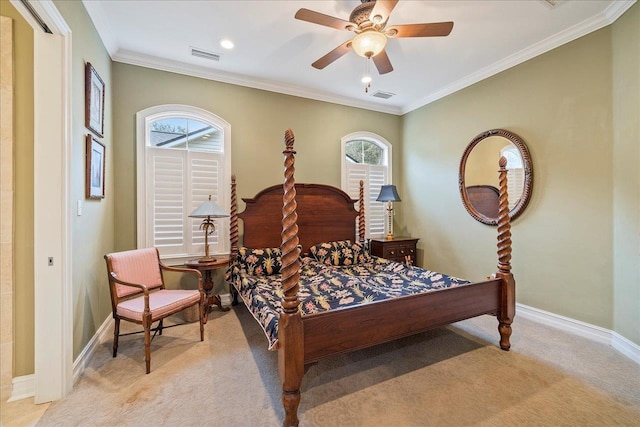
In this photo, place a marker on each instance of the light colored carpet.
(454, 376)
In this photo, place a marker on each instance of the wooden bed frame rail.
(303, 341)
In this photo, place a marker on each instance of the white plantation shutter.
(515, 174)
(205, 179)
(374, 177)
(515, 186)
(355, 173)
(182, 180)
(167, 171)
(376, 210)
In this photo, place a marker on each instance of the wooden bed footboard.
(341, 331)
(305, 340)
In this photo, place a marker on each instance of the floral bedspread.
(324, 287)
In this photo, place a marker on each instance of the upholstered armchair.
(138, 294)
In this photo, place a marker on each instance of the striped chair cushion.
(161, 303)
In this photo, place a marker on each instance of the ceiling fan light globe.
(369, 43)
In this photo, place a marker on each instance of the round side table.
(206, 267)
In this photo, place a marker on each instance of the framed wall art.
(94, 101)
(95, 164)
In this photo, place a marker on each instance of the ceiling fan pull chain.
(367, 76)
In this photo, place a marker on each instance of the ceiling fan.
(368, 21)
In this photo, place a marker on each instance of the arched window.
(183, 157)
(367, 156)
(515, 174)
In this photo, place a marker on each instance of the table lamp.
(389, 194)
(207, 210)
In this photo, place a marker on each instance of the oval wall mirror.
(478, 175)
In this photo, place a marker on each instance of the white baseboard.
(83, 358)
(626, 347)
(225, 299)
(23, 387)
(576, 327)
(583, 329)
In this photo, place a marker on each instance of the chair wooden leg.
(147, 344)
(116, 334)
(200, 306)
(160, 327)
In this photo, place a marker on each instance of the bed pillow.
(260, 262)
(341, 252)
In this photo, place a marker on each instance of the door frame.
(53, 318)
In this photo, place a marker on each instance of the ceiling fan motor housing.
(362, 14)
(368, 21)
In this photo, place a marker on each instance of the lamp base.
(205, 260)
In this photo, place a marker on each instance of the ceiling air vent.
(204, 54)
(383, 95)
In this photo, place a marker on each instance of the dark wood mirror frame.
(528, 175)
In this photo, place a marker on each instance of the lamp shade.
(369, 43)
(208, 209)
(388, 193)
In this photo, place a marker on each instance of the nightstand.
(395, 249)
(207, 282)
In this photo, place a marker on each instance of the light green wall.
(626, 174)
(258, 121)
(92, 232)
(482, 162)
(560, 103)
(23, 181)
(564, 104)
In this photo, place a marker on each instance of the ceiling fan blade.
(322, 19)
(383, 64)
(435, 29)
(336, 53)
(381, 11)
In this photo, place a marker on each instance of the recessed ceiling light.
(226, 43)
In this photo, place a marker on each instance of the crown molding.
(162, 64)
(607, 17)
(96, 12)
(617, 8)
(99, 18)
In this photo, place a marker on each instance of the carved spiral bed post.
(508, 302)
(290, 328)
(233, 235)
(361, 222)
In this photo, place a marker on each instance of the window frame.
(144, 118)
(387, 161)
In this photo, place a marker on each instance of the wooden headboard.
(485, 198)
(325, 214)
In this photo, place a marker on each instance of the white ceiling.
(274, 51)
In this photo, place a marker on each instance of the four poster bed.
(336, 298)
